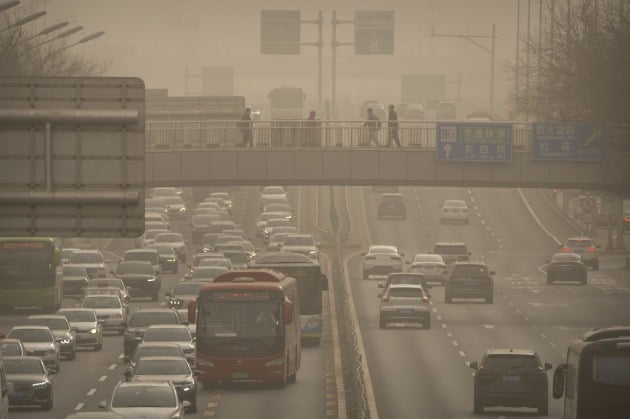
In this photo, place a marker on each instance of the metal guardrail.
(300, 134)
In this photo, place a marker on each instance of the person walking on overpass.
(245, 125)
(373, 124)
(392, 127)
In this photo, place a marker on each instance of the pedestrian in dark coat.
(392, 127)
(245, 125)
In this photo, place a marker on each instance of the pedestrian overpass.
(339, 153)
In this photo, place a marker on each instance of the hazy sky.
(157, 39)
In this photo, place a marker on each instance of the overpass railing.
(302, 133)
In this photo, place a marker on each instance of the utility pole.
(518, 58)
(320, 45)
(334, 44)
(490, 50)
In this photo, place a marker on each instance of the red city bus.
(248, 327)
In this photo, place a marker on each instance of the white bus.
(595, 380)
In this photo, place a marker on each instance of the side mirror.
(197, 373)
(126, 359)
(474, 365)
(102, 404)
(50, 371)
(168, 294)
(287, 312)
(492, 273)
(559, 376)
(100, 321)
(548, 366)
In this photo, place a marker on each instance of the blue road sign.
(569, 141)
(469, 141)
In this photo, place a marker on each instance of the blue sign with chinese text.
(471, 141)
(569, 141)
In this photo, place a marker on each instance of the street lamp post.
(8, 4)
(55, 38)
(24, 20)
(48, 30)
(81, 41)
(490, 50)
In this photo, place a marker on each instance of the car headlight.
(40, 384)
(93, 330)
(65, 341)
(182, 209)
(312, 252)
(171, 260)
(151, 279)
(275, 362)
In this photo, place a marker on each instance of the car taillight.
(626, 219)
(425, 299)
(592, 249)
(565, 249)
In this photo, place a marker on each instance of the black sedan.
(566, 267)
(31, 381)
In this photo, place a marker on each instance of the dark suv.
(140, 320)
(511, 378)
(391, 205)
(452, 252)
(469, 280)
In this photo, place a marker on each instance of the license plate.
(511, 379)
(406, 311)
(239, 375)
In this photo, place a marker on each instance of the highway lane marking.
(121, 356)
(91, 392)
(209, 413)
(511, 304)
(525, 318)
(449, 334)
(79, 406)
(439, 317)
(455, 343)
(542, 335)
(444, 326)
(553, 344)
(462, 354)
(212, 405)
(102, 378)
(533, 214)
(112, 367)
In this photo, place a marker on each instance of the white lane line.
(121, 356)
(553, 345)
(455, 343)
(449, 334)
(112, 367)
(482, 221)
(487, 228)
(511, 304)
(444, 326)
(439, 317)
(542, 335)
(526, 318)
(462, 354)
(79, 406)
(91, 392)
(434, 308)
(533, 214)
(212, 405)
(102, 378)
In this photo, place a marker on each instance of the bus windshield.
(249, 319)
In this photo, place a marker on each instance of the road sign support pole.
(471, 38)
(334, 44)
(320, 58)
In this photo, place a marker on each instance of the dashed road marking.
(121, 356)
(542, 335)
(455, 343)
(462, 354)
(449, 334)
(444, 326)
(102, 378)
(79, 406)
(112, 367)
(91, 392)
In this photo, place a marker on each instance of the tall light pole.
(8, 4)
(490, 50)
(55, 38)
(24, 20)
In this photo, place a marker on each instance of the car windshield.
(188, 289)
(169, 334)
(428, 258)
(278, 207)
(162, 367)
(106, 282)
(221, 262)
(405, 293)
(163, 249)
(222, 195)
(208, 272)
(510, 362)
(150, 234)
(579, 243)
(450, 250)
(471, 271)
(53, 324)
(142, 351)
(168, 238)
(382, 249)
(31, 335)
(273, 190)
(101, 291)
(86, 257)
(10, 349)
(79, 315)
(237, 256)
(24, 366)
(204, 219)
(459, 204)
(277, 222)
(70, 270)
(406, 279)
(101, 302)
(134, 268)
(140, 256)
(299, 241)
(144, 396)
(65, 253)
(164, 192)
(149, 318)
(173, 200)
(566, 257)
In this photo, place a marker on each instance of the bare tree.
(22, 54)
